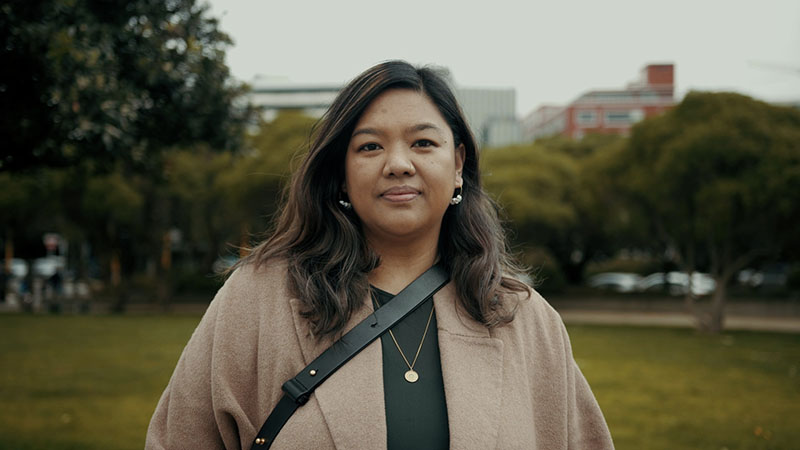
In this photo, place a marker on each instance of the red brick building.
(606, 111)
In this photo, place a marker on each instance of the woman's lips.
(400, 194)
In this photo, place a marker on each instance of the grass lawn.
(92, 383)
(676, 389)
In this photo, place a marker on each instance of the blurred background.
(645, 157)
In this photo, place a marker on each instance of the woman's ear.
(460, 154)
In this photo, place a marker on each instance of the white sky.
(550, 52)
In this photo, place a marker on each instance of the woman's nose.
(398, 162)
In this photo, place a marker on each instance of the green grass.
(84, 382)
(92, 383)
(676, 389)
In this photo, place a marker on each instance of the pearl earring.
(457, 198)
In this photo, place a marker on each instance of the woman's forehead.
(402, 110)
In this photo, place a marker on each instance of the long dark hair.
(328, 258)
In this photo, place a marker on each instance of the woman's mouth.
(400, 194)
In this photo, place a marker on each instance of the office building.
(606, 111)
(491, 112)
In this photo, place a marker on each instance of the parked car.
(19, 268)
(615, 281)
(773, 276)
(750, 278)
(677, 283)
(47, 267)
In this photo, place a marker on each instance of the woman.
(390, 186)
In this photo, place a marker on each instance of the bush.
(546, 273)
(641, 264)
(192, 282)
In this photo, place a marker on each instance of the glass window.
(613, 97)
(617, 117)
(585, 117)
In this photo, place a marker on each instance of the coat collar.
(352, 399)
(472, 371)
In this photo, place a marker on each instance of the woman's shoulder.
(255, 286)
(251, 273)
(254, 307)
(534, 303)
(532, 314)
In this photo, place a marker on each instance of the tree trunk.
(116, 269)
(718, 300)
(7, 257)
(161, 243)
(702, 317)
(117, 286)
(163, 281)
(724, 268)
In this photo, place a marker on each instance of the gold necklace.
(411, 375)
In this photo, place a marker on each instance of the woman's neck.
(400, 265)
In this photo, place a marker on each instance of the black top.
(416, 413)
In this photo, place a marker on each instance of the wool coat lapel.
(472, 371)
(351, 400)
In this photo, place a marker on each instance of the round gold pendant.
(412, 376)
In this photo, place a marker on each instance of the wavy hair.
(327, 254)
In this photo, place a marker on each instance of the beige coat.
(513, 387)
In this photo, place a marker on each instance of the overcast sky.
(550, 52)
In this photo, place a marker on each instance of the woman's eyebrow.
(412, 129)
(371, 131)
(422, 127)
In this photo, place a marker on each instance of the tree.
(536, 188)
(113, 203)
(254, 184)
(100, 82)
(30, 205)
(600, 216)
(718, 178)
(18, 207)
(204, 213)
(557, 196)
(109, 87)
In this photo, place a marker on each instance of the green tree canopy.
(202, 209)
(106, 81)
(557, 195)
(254, 184)
(536, 188)
(719, 179)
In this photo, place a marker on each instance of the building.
(492, 115)
(273, 96)
(606, 111)
(491, 112)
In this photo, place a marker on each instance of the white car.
(615, 281)
(677, 283)
(19, 268)
(47, 267)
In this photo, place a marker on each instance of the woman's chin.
(402, 230)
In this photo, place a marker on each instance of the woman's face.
(402, 167)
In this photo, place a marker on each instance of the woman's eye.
(423, 143)
(369, 147)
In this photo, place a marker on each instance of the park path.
(677, 319)
(787, 321)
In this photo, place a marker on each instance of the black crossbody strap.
(298, 389)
